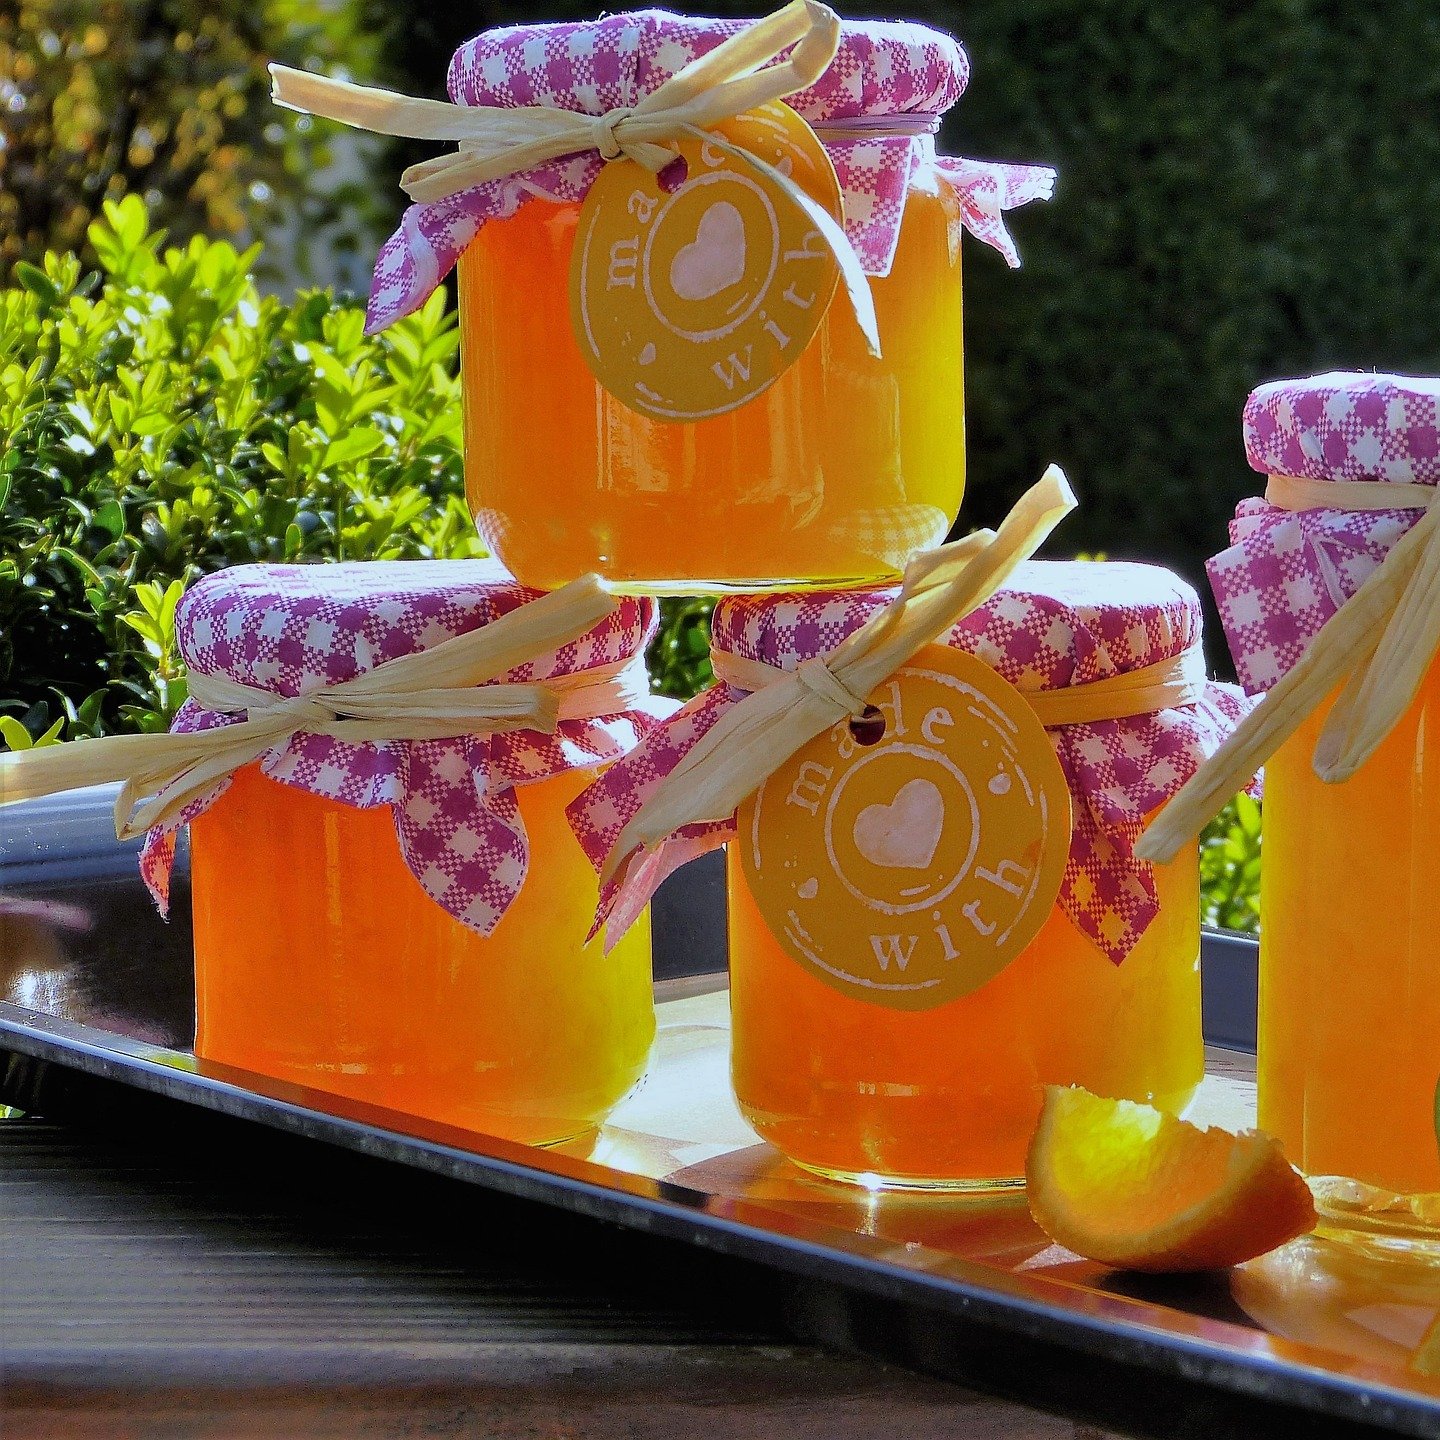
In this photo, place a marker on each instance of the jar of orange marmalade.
(903, 985)
(1349, 1061)
(830, 468)
(402, 921)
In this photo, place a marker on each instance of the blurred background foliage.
(169, 100)
(1245, 192)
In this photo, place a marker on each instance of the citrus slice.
(1137, 1189)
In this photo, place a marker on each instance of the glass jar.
(836, 465)
(388, 903)
(951, 1096)
(924, 1063)
(1349, 1063)
(837, 473)
(321, 961)
(1349, 1037)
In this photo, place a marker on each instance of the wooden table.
(163, 1277)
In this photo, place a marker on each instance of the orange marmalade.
(322, 962)
(836, 474)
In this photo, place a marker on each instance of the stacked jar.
(710, 341)
(906, 977)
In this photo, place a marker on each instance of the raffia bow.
(495, 142)
(1384, 639)
(758, 734)
(435, 694)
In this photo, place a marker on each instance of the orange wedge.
(1137, 1189)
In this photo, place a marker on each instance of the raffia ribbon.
(1383, 638)
(435, 694)
(496, 142)
(1164, 685)
(757, 735)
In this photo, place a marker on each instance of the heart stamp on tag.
(688, 299)
(909, 872)
(905, 832)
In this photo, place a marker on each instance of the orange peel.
(1136, 1189)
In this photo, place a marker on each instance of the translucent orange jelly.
(950, 1096)
(320, 960)
(1350, 957)
(836, 473)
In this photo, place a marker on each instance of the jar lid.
(883, 67)
(1056, 623)
(293, 628)
(1346, 426)
(882, 94)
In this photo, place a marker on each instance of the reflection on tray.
(1374, 1305)
(104, 960)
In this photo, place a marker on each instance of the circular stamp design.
(909, 868)
(688, 299)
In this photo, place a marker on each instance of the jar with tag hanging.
(710, 356)
(935, 910)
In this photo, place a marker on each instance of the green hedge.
(160, 419)
(1246, 192)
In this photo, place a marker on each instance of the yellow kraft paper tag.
(689, 302)
(909, 871)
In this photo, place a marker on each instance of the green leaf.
(37, 282)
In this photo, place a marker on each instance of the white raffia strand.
(1384, 639)
(495, 142)
(435, 694)
(758, 734)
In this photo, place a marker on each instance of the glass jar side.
(1349, 1060)
(320, 960)
(834, 475)
(950, 1097)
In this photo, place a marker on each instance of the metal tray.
(94, 987)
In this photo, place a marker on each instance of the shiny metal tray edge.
(1126, 1329)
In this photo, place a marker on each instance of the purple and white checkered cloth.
(290, 629)
(883, 68)
(1056, 624)
(1288, 571)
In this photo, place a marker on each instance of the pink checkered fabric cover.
(290, 629)
(882, 68)
(1287, 572)
(1056, 624)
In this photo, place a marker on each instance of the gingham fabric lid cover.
(290, 629)
(882, 68)
(1055, 624)
(1287, 572)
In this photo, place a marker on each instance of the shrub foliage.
(159, 419)
(166, 99)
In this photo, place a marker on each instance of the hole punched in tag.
(868, 728)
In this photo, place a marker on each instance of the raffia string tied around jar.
(431, 687)
(1335, 581)
(538, 110)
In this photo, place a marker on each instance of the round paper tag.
(688, 302)
(909, 871)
